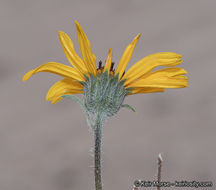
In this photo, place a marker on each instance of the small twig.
(159, 164)
(160, 160)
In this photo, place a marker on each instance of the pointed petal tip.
(178, 55)
(77, 24)
(60, 33)
(24, 79)
(79, 28)
(55, 100)
(48, 98)
(27, 75)
(138, 36)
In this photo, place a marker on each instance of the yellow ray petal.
(126, 56)
(85, 48)
(62, 85)
(164, 82)
(139, 90)
(57, 98)
(165, 78)
(56, 68)
(181, 77)
(71, 54)
(147, 64)
(108, 61)
(169, 72)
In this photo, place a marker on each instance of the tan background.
(46, 147)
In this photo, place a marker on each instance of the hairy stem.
(97, 151)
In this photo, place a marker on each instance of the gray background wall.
(47, 147)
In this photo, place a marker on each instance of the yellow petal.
(147, 64)
(164, 82)
(164, 78)
(108, 61)
(71, 54)
(62, 85)
(139, 90)
(85, 48)
(55, 100)
(126, 56)
(169, 72)
(56, 68)
(58, 97)
(181, 77)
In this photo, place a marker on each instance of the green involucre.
(104, 93)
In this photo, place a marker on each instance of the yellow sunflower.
(104, 87)
(140, 78)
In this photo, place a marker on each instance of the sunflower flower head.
(105, 87)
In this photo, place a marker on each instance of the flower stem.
(97, 151)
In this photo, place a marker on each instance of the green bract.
(104, 93)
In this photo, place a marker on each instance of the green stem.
(97, 151)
